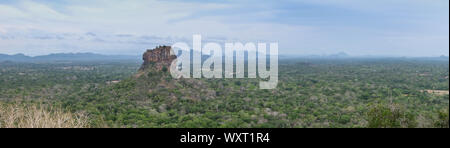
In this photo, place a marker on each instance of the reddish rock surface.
(158, 58)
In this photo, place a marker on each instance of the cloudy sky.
(301, 27)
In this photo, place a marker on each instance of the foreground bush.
(442, 121)
(390, 116)
(39, 116)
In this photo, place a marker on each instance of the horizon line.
(281, 55)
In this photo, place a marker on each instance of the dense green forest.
(311, 93)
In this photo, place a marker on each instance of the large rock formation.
(159, 58)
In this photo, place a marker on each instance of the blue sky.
(301, 27)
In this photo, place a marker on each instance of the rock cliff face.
(159, 58)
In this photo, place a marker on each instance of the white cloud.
(41, 11)
(10, 12)
(53, 26)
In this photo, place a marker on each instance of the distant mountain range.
(343, 55)
(66, 57)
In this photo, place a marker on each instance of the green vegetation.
(390, 116)
(442, 121)
(386, 93)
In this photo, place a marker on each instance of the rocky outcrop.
(159, 58)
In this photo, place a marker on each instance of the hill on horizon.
(65, 57)
(90, 57)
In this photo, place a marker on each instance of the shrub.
(442, 121)
(39, 116)
(389, 116)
